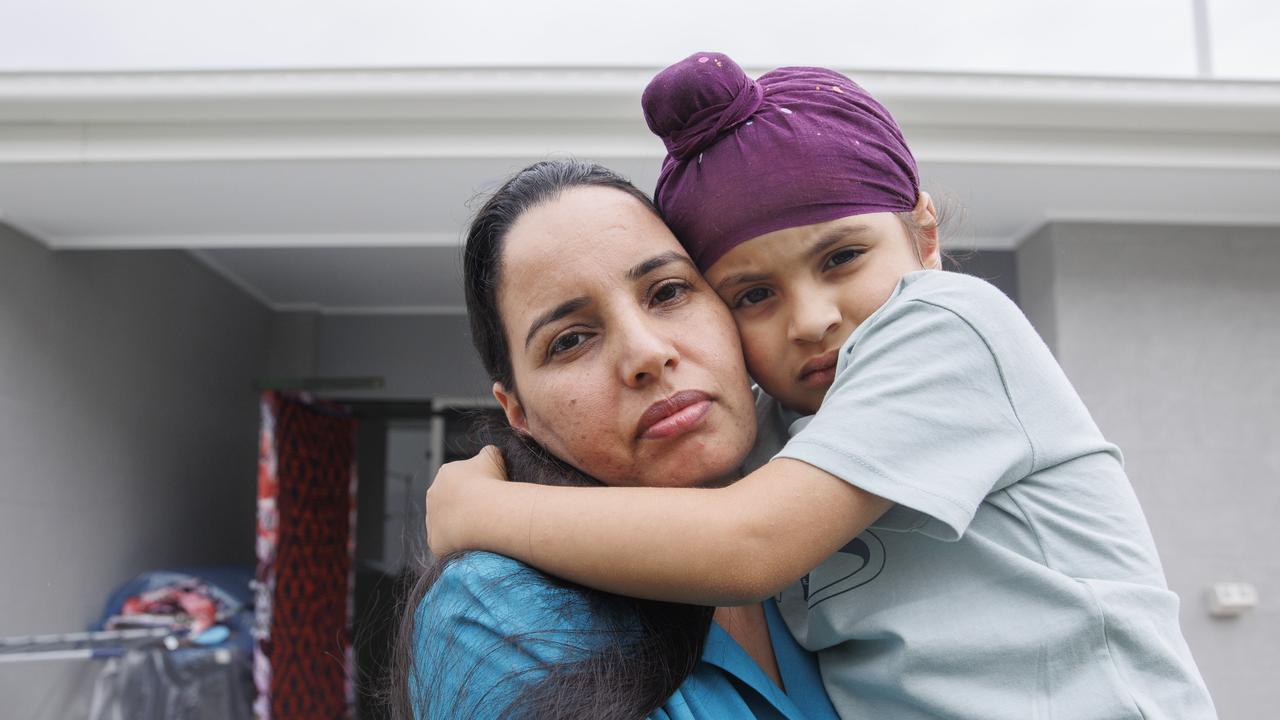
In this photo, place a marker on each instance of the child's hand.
(458, 495)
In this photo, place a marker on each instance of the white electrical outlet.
(1231, 599)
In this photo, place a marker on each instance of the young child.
(945, 525)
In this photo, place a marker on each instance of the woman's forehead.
(585, 244)
(584, 230)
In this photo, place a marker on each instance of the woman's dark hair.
(646, 648)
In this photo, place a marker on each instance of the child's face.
(797, 294)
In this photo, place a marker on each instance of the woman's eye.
(754, 296)
(670, 291)
(565, 343)
(843, 257)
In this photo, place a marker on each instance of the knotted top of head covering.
(745, 157)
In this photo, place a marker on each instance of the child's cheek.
(764, 360)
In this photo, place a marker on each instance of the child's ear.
(928, 247)
(511, 407)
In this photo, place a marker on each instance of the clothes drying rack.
(82, 645)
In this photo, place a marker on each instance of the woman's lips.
(819, 371)
(673, 416)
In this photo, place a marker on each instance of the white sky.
(1152, 38)
(1246, 42)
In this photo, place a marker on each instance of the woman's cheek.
(588, 416)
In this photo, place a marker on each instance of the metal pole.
(1204, 46)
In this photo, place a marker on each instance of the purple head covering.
(746, 157)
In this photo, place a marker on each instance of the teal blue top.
(488, 625)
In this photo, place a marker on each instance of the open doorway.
(399, 447)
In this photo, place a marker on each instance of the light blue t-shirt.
(487, 626)
(1016, 576)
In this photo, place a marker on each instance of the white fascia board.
(585, 95)
(931, 143)
(272, 96)
(1048, 147)
(233, 241)
(1078, 103)
(333, 141)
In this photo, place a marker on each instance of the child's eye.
(754, 296)
(670, 292)
(842, 257)
(566, 342)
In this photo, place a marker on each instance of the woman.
(612, 359)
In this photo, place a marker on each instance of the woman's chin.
(677, 471)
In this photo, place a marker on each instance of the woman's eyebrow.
(567, 307)
(571, 306)
(655, 262)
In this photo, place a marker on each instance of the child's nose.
(813, 320)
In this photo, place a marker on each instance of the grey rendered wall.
(1172, 337)
(127, 436)
(419, 356)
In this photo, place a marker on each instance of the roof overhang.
(388, 158)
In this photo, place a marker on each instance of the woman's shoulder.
(484, 584)
(484, 631)
(479, 565)
(496, 591)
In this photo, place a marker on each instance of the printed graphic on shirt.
(853, 566)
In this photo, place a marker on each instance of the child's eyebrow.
(836, 236)
(740, 279)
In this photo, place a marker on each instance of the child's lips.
(820, 370)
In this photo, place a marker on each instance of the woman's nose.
(812, 319)
(645, 354)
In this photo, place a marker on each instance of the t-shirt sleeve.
(487, 630)
(918, 414)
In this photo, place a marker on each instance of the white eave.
(521, 113)
(301, 167)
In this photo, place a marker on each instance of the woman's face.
(626, 364)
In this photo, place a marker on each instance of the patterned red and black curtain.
(306, 544)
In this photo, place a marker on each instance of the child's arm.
(723, 546)
(920, 418)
